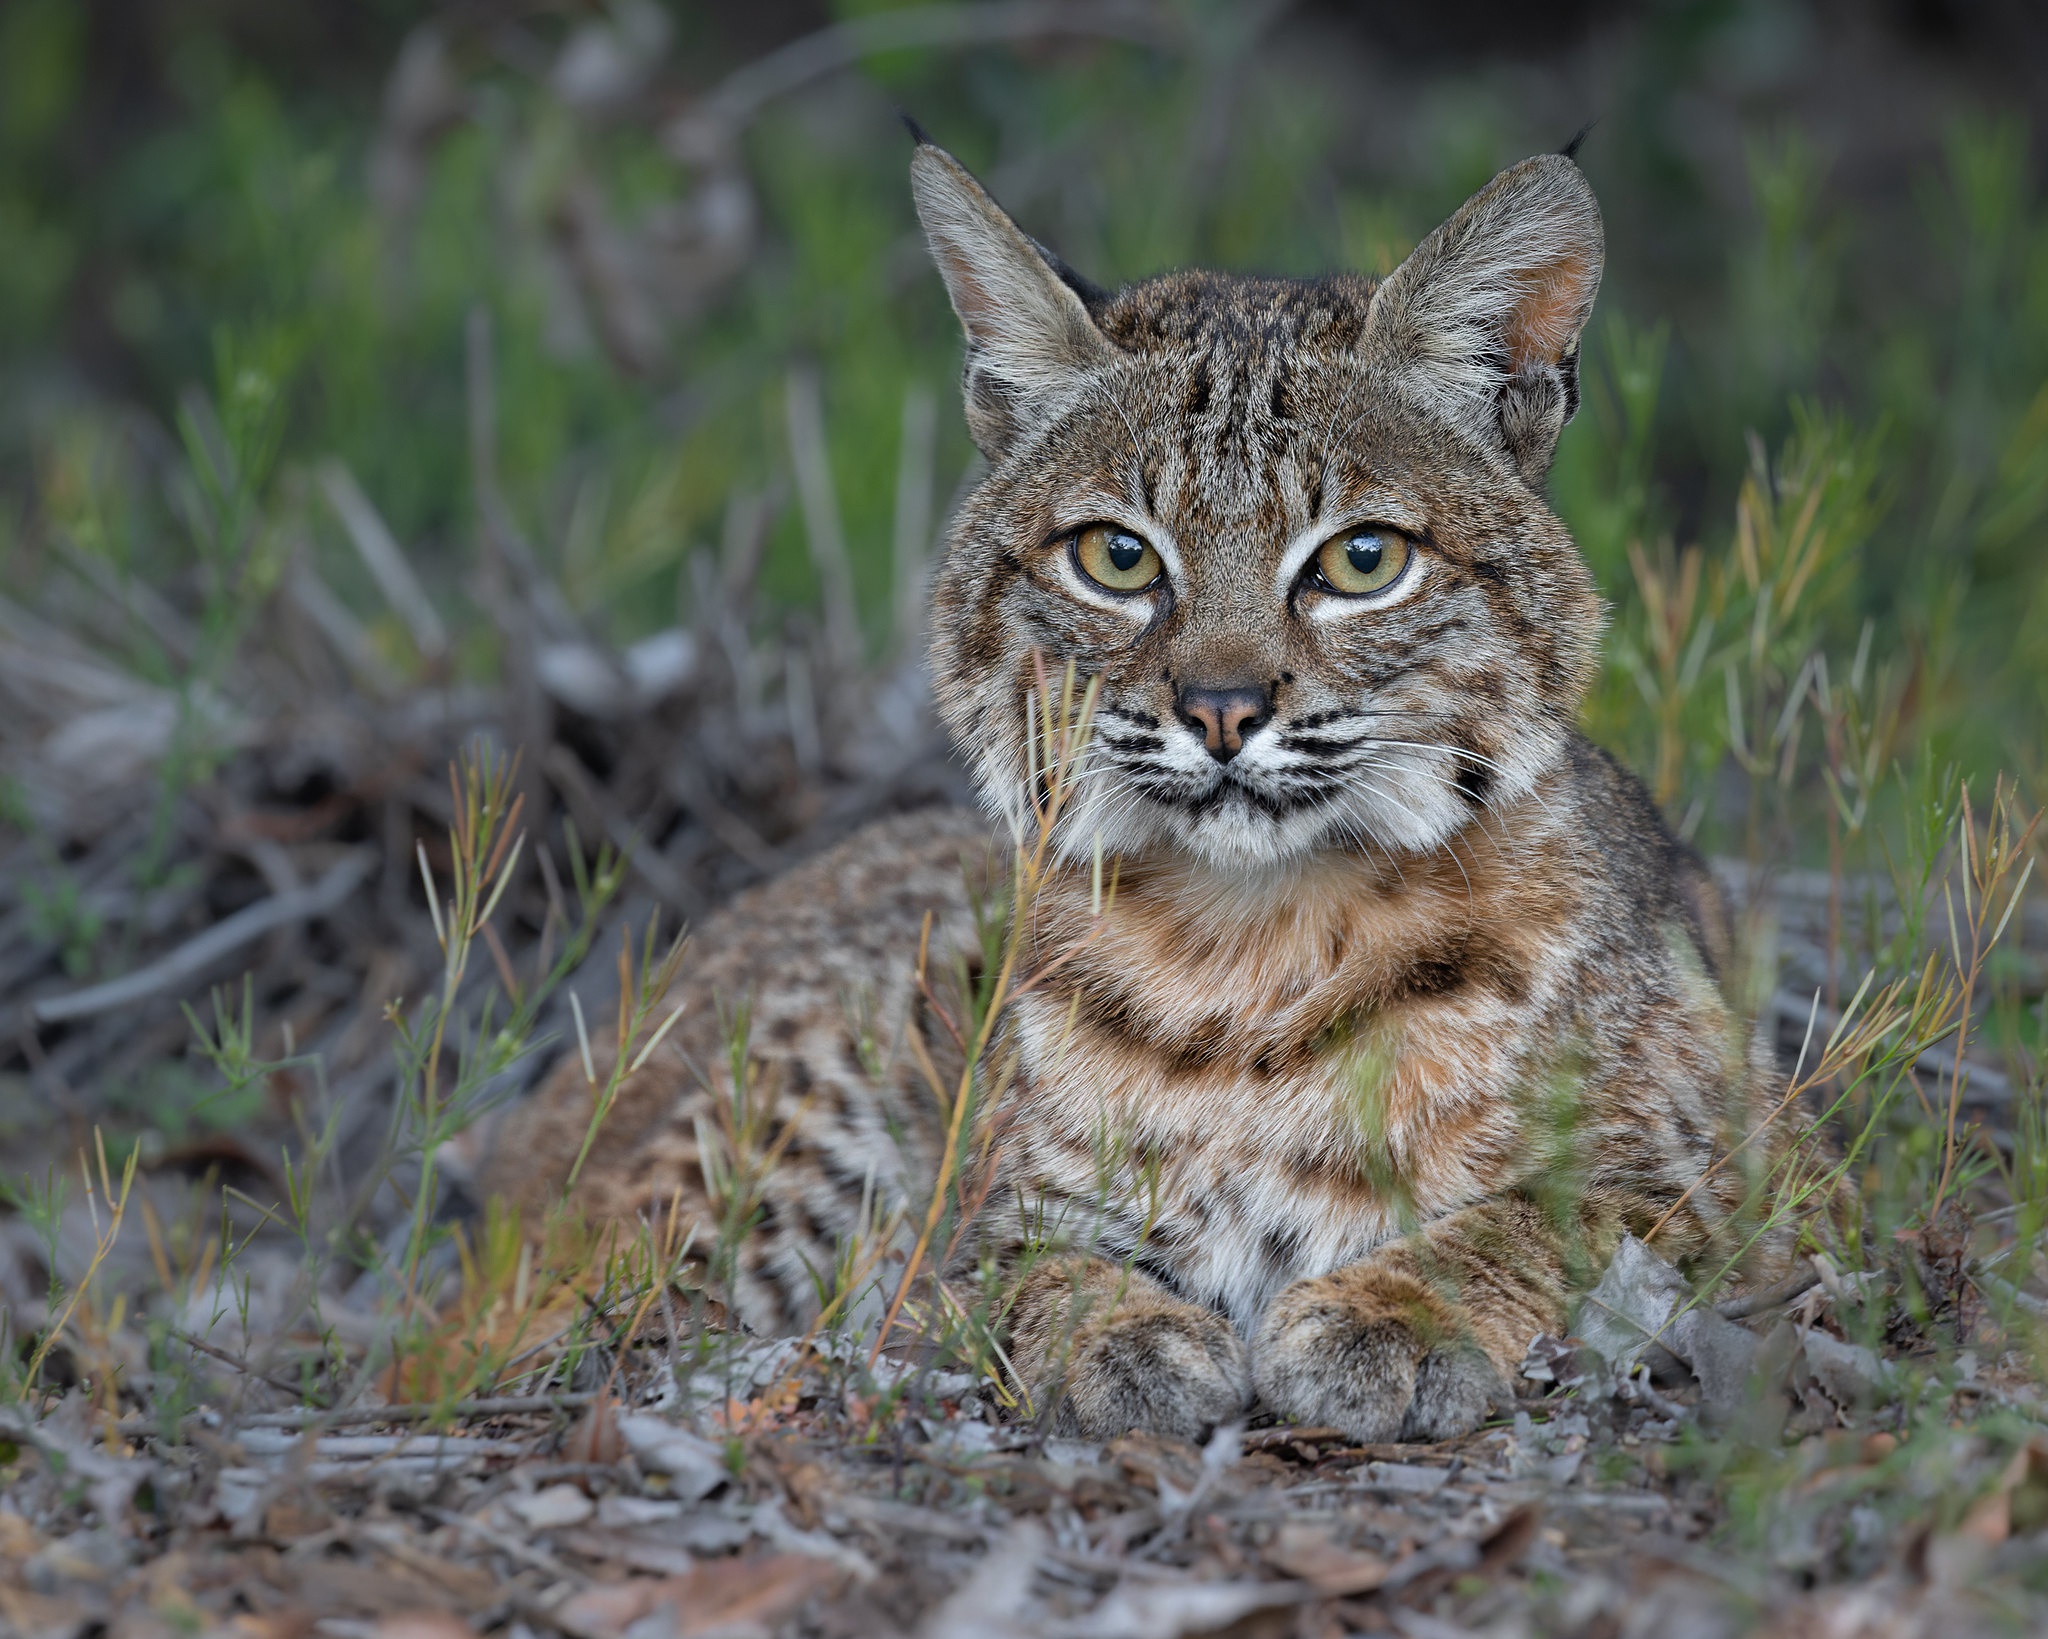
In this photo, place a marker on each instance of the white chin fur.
(1237, 835)
(1405, 807)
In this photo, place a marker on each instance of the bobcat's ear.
(1482, 322)
(1030, 341)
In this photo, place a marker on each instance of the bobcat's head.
(1297, 528)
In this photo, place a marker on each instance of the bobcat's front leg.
(1124, 1353)
(1418, 1341)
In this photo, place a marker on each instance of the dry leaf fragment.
(557, 1505)
(1150, 1459)
(694, 1466)
(31, 1613)
(291, 1622)
(2018, 1502)
(424, 1625)
(1508, 1541)
(1309, 1550)
(1564, 1362)
(1955, 1557)
(730, 1596)
(18, 1539)
(595, 1437)
(1632, 1304)
(1848, 1373)
(1167, 1610)
(291, 1518)
(991, 1602)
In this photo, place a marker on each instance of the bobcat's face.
(1326, 602)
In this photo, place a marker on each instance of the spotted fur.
(1401, 1012)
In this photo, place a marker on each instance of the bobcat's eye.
(1116, 558)
(1361, 561)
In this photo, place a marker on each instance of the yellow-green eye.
(1363, 560)
(1116, 558)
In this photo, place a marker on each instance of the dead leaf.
(30, 1613)
(1563, 1362)
(694, 1466)
(1632, 1304)
(343, 1587)
(612, 1607)
(557, 1505)
(424, 1625)
(1849, 1374)
(291, 1518)
(1311, 1552)
(292, 1622)
(18, 1539)
(1150, 1459)
(595, 1437)
(724, 1594)
(988, 1604)
(1955, 1557)
(1166, 1610)
(809, 1486)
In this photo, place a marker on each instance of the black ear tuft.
(918, 134)
(1571, 149)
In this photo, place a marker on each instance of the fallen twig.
(1998, 1287)
(510, 1405)
(197, 954)
(236, 1361)
(510, 1546)
(1769, 1297)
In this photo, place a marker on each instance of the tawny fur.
(1399, 1017)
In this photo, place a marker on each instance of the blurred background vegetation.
(1828, 280)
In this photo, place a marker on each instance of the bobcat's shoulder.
(821, 963)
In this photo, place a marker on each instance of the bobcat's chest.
(1229, 1172)
(1244, 1095)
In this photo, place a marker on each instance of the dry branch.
(191, 960)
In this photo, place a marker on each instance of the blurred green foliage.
(1776, 346)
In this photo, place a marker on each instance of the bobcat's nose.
(1225, 717)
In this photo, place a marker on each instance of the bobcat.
(1380, 912)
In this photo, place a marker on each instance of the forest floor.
(773, 1509)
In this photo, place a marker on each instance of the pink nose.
(1226, 717)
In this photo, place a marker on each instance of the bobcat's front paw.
(1376, 1355)
(1161, 1365)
